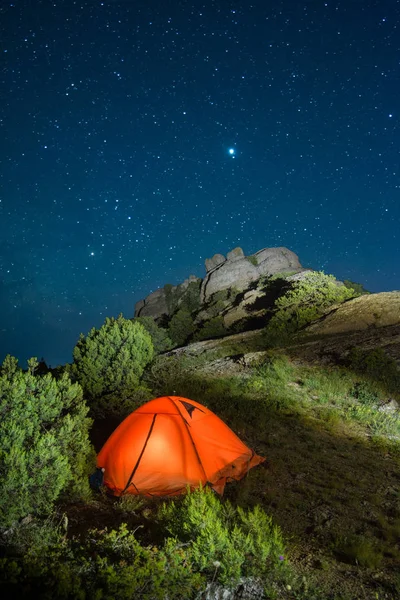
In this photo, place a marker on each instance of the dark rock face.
(235, 271)
(155, 305)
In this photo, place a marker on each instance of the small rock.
(390, 407)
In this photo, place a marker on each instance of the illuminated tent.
(170, 443)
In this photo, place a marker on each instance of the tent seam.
(140, 457)
(192, 440)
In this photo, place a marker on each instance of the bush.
(306, 300)
(252, 259)
(226, 542)
(109, 362)
(44, 444)
(181, 327)
(159, 335)
(118, 405)
(106, 564)
(172, 375)
(211, 329)
(358, 288)
(364, 393)
(358, 550)
(377, 365)
(191, 297)
(179, 297)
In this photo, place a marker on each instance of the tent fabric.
(170, 443)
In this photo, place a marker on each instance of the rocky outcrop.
(365, 312)
(235, 271)
(238, 271)
(253, 303)
(215, 261)
(277, 260)
(156, 304)
(368, 322)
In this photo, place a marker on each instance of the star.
(232, 152)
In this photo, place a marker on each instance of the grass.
(332, 455)
(359, 551)
(330, 482)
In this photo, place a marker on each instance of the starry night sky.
(139, 137)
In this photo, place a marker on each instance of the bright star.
(232, 151)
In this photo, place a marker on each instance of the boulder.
(271, 261)
(235, 254)
(215, 261)
(154, 305)
(239, 271)
(236, 274)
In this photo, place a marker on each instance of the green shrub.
(181, 327)
(33, 536)
(215, 308)
(130, 503)
(191, 297)
(106, 564)
(364, 393)
(272, 380)
(221, 296)
(109, 362)
(119, 405)
(159, 335)
(358, 288)
(377, 421)
(211, 329)
(377, 365)
(222, 541)
(44, 444)
(252, 259)
(305, 301)
(326, 385)
(178, 297)
(171, 297)
(358, 550)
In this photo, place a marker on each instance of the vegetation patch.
(306, 300)
(224, 542)
(318, 520)
(44, 443)
(252, 260)
(376, 365)
(108, 364)
(159, 335)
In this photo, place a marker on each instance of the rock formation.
(235, 271)
(238, 271)
(367, 322)
(366, 312)
(156, 304)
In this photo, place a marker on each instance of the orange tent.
(170, 443)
